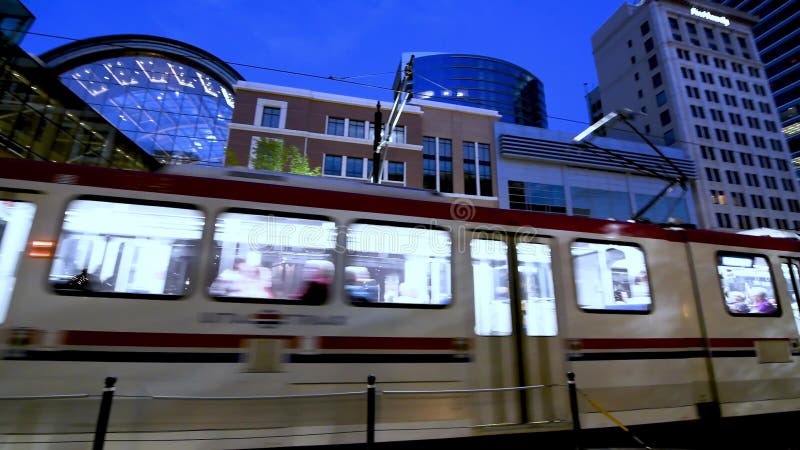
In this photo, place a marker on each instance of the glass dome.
(174, 111)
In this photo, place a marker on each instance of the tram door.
(790, 268)
(515, 326)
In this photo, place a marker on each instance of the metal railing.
(370, 393)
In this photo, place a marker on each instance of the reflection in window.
(15, 224)
(747, 284)
(610, 276)
(261, 256)
(491, 287)
(126, 248)
(398, 265)
(536, 289)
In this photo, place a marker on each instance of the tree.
(271, 154)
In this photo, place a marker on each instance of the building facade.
(480, 82)
(43, 120)
(777, 37)
(694, 74)
(437, 146)
(600, 181)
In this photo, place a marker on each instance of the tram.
(243, 309)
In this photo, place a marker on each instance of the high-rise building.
(479, 82)
(777, 36)
(694, 73)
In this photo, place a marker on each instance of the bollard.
(370, 410)
(573, 406)
(105, 411)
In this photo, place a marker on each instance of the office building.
(694, 74)
(777, 37)
(479, 82)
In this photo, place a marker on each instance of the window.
(529, 196)
(355, 167)
(673, 23)
(356, 129)
(396, 171)
(16, 218)
(610, 277)
(477, 169)
(652, 62)
(126, 249)
(743, 222)
(657, 81)
(648, 45)
(271, 117)
(437, 164)
(262, 257)
(661, 98)
(398, 135)
(747, 284)
(718, 197)
(332, 165)
(490, 266)
(727, 155)
(665, 117)
(723, 220)
(270, 113)
(397, 265)
(645, 28)
(669, 137)
(335, 126)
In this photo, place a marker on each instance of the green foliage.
(271, 154)
(231, 159)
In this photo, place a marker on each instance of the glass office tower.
(481, 82)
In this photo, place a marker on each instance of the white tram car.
(246, 310)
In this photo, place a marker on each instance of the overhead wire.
(347, 79)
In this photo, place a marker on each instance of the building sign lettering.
(708, 16)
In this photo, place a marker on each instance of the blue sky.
(362, 39)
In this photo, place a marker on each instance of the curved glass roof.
(174, 111)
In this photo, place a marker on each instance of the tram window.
(491, 287)
(747, 286)
(398, 265)
(267, 258)
(536, 289)
(126, 249)
(791, 273)
(15, 225)
(611, 277)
